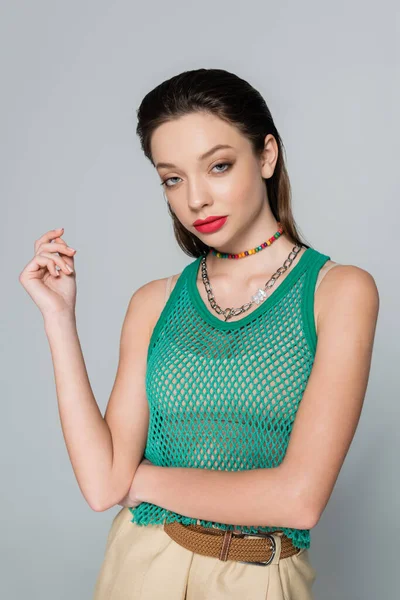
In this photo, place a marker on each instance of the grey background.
(72, 75)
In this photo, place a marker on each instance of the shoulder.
(153, 291)
(149, 299)
(346, 288)
(344, 279)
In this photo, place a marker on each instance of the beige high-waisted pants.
(144, 563)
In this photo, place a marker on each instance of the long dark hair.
(232, 99)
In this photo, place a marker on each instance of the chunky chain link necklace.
(258, 297)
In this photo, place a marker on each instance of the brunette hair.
(234, 100)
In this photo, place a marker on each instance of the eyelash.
(228, 164)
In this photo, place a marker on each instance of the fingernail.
(68, 267)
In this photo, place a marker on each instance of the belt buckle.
(260, 535)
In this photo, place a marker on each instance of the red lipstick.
(210, 224)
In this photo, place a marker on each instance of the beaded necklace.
(253, 250)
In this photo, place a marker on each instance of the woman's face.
(225, 182)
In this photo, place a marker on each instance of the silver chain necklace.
(258, 297)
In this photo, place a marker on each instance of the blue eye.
(222, 165)
(169, 178)
(218, 165)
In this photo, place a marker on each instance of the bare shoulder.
(345, 287)
(343, 277)
(149, 300)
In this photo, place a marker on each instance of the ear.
(269, 156)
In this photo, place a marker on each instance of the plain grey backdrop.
(72, 76)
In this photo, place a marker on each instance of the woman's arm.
(105, 452)
(295, 493)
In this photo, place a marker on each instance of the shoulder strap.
(323, 271)
(168, 288)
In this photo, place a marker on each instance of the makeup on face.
(209, 225)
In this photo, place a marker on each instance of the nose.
(198, 196)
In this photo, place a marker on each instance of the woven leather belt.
(249, 548)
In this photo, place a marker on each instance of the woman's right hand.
(53, 291)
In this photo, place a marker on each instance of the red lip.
(208, 220)
(211, 226)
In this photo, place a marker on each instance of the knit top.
(224, 394)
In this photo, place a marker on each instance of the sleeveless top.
(224, 394)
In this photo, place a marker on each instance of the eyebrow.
(201, 157)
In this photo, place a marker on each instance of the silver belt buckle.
(260, 535)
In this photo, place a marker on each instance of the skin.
(107, 453)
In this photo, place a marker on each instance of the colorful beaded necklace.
(253, 250)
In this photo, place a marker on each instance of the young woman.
(241, 379)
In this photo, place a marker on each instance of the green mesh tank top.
(204, 373)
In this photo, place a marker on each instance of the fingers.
(48, 236)
(60, 247)
(45, 253)
(49, 260)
